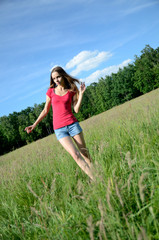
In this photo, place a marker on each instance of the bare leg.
(67, 143)
(80, 142)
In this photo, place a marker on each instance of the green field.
(45, 195)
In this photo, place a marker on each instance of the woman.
(62, 94)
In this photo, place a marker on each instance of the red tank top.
(61, 106)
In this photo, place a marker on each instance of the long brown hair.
(70, 82)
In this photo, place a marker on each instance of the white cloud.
(87, 60)
(33, 92)
(6, 98)
(138, 8)
(106, 71)
(79, 58)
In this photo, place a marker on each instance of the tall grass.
(44, 194)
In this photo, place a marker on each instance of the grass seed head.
(90, 227)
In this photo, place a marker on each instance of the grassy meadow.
(45, 195)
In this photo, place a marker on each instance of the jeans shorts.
(69, 130)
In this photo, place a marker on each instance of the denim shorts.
(69, 130)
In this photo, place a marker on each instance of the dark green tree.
(3, 142)
(146, 70)
(123, 85)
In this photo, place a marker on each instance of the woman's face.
(58, 80)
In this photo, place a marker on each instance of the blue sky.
(89, 39)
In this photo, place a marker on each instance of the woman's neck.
(61, 88)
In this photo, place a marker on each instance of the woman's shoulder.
(72, 91)
(51, 89)
(50, 92)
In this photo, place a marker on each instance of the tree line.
(132, 81)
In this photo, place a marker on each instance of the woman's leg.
(80, 142)
(67, 143)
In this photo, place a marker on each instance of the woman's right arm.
(41, 116)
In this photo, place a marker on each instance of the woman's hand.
(30, 128)
(41, 116)
(82, 88)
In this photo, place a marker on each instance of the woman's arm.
(77, 102)
(41, 116)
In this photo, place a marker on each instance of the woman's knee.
(84, 151)
(76, 155)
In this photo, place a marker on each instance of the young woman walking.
(62, 94)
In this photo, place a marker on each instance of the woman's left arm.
(77, 102)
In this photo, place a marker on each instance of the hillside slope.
(44, 195)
